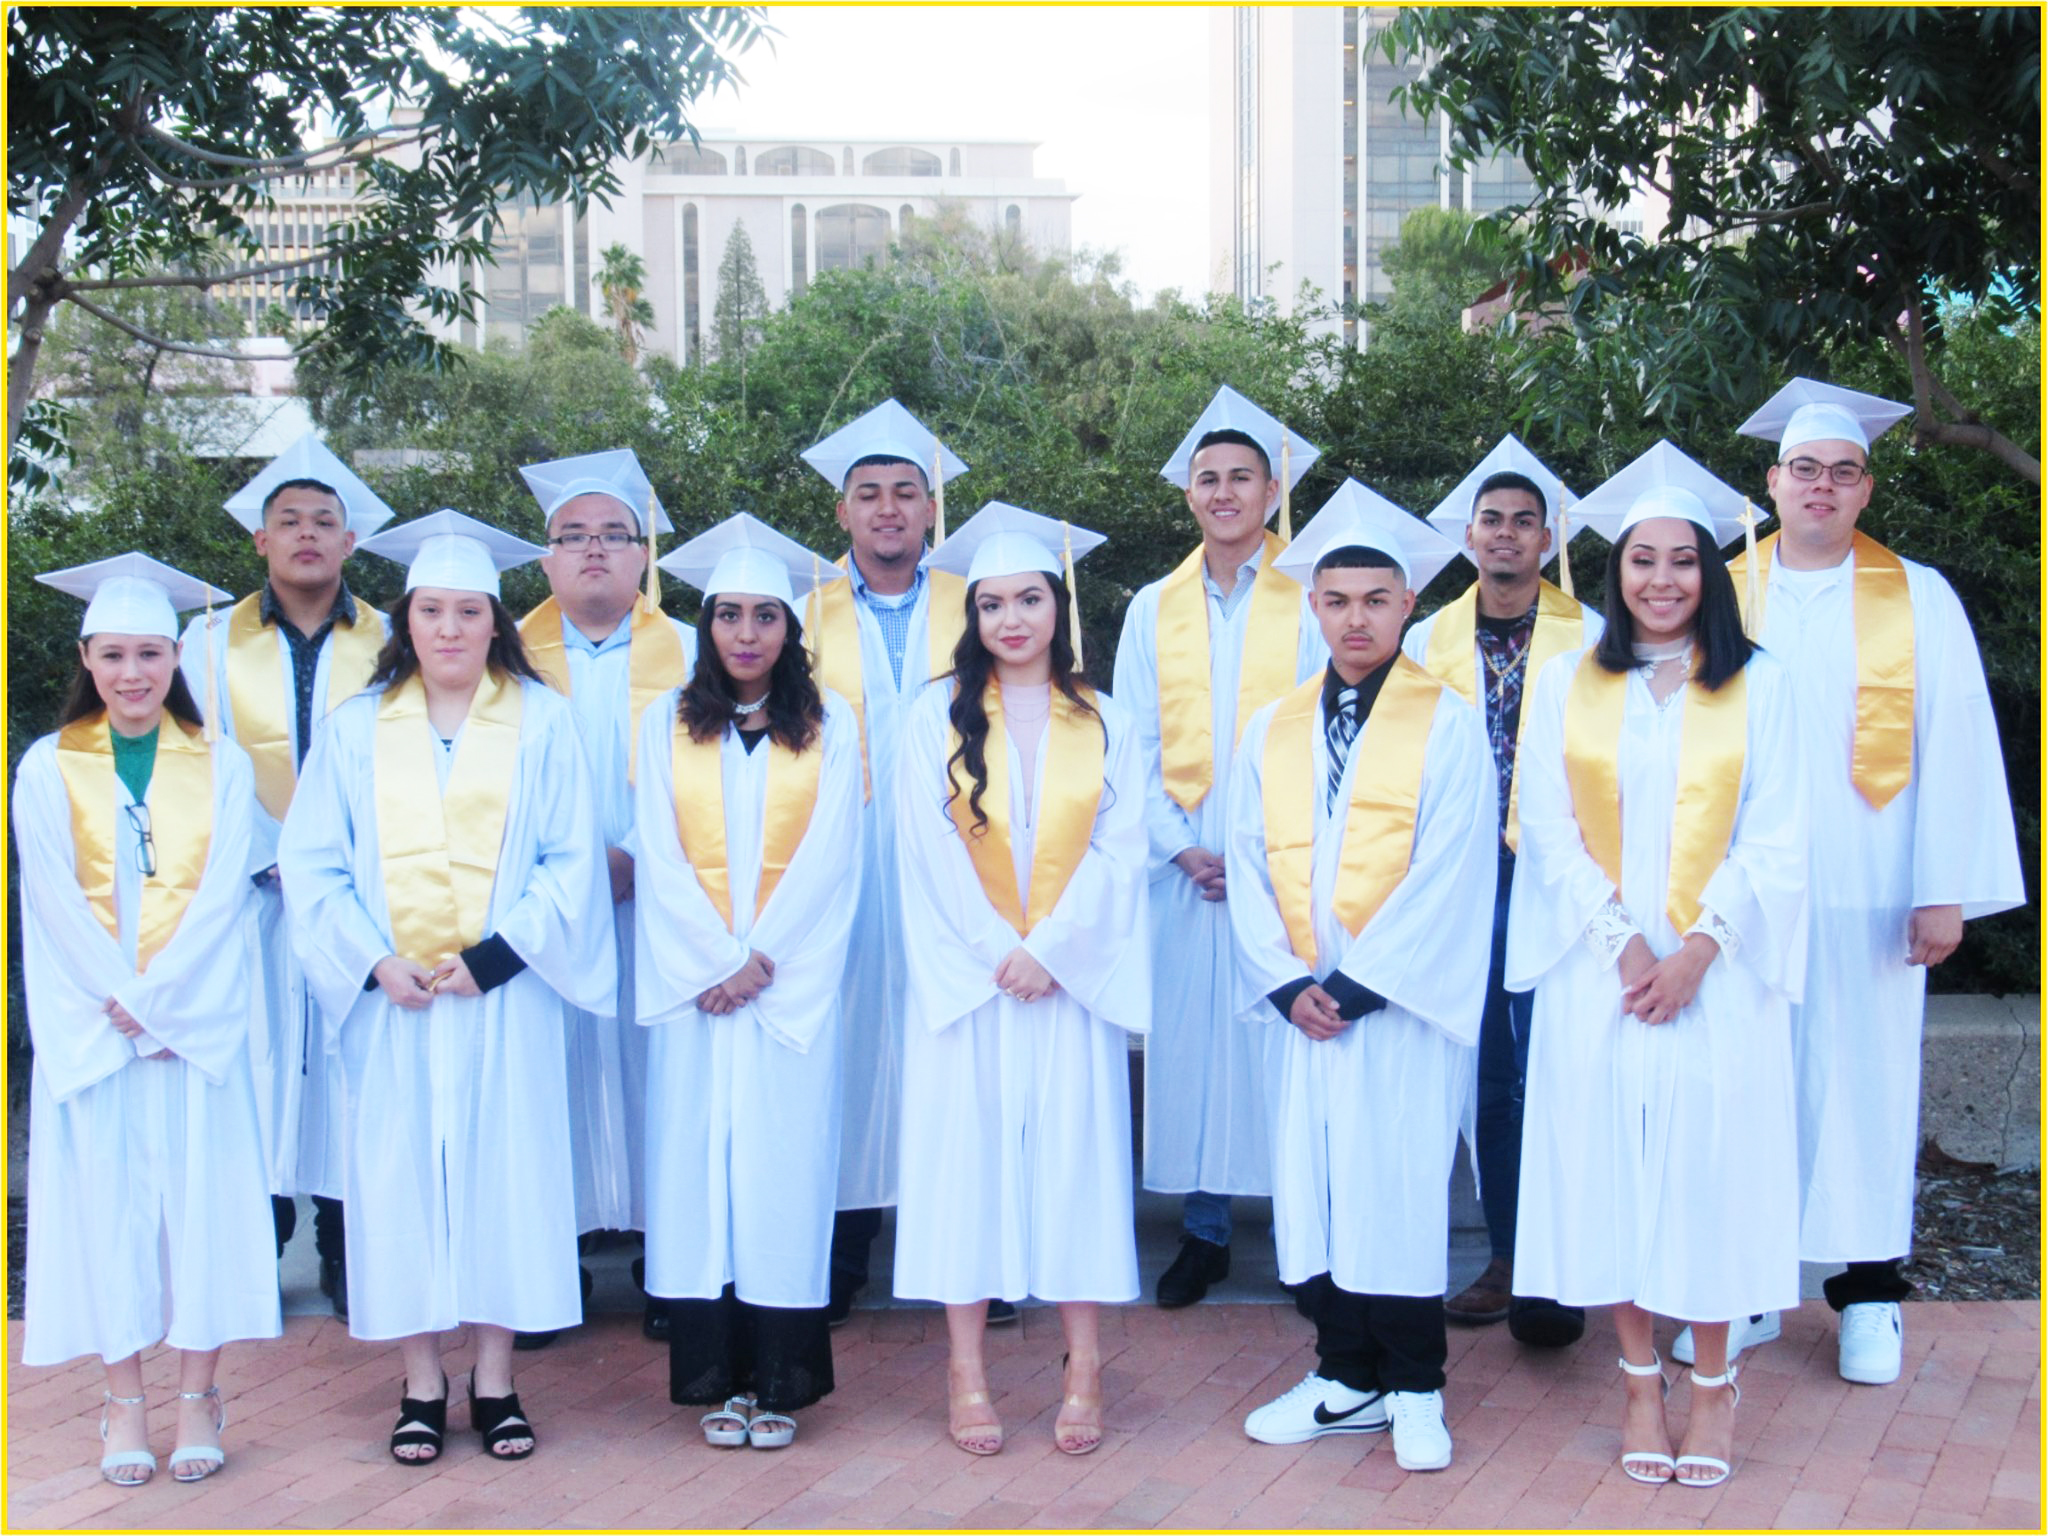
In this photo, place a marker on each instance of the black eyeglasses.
(145, 845)
(1843, 472)
(610, 539)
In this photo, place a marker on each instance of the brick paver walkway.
(1954, 1443)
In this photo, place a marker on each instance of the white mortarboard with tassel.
(1289, 454)
(1359, 515)
(1808, 411)
(1662, 482)
(310, 459)
(1003, 540)
(889, 432)
(133, 594)
(1451, 516)
(453, 550)
(614, 472)
(745, 556)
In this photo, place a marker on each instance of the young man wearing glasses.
(608, 646)
(1913, 834)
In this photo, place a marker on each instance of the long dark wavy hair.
(82, 698)
(972, 665)
(399, 661)
(796, 710)
(1716, 628)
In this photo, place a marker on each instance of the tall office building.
(1312, 163)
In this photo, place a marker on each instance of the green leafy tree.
(620, 280)
(1833, 175)
(143, 139)
(741, 308)
(1444, 259)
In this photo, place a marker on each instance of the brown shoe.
(1486, 1300)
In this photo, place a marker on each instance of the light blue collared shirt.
(892, 614)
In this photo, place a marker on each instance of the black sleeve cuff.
(1283, 997)
(1354, 999)
(492, 962)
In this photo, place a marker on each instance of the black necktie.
(1340, 731)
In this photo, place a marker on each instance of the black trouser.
(721, 1347)
(327, 1225)
(1503, 1073)
(1867, 1280)
(1377, 1343)
(853, 1234)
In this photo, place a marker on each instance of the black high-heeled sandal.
(421, 1422)
(500, 1419)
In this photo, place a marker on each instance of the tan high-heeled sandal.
(1078, 1437)
(969, 1437)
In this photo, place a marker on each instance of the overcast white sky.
(1116, 96)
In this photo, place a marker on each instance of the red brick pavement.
(1954, 1443)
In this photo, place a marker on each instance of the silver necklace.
(751, 709)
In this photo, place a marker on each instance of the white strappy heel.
(212, 1454)
(1667, 1468)
(1720, 1468)
(113, 1462)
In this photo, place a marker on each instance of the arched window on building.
(953, 161)
(693, 267)
(793, 160)
(687, 159)
(900, 160)
(1013, 220)
(799, 246)
(739, 160)
(851, 235)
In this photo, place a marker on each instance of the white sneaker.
(1757, 1329)
(1873, 1340)
(1422, 1442)
(1316, 1406)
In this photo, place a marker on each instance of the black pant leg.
(1408, 1341)
(329, 1236)
(284, 1217)
(853, 1235)
(1345, 1349)
(1867, 1281)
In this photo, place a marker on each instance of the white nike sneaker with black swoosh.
(1316, 1406)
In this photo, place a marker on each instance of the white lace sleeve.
(1609, 932)
(1716, 928)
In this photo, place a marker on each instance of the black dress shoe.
(1199, 1265)
(334, 1285)
(1540, 1321)
(1001, 1312)
(654, 1320)
(839, 1301)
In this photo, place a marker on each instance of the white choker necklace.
(751, 709)
(1653, 656)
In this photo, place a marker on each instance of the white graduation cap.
(1807, 411)
(1231, 412)
(311, 459)
(1451, 515)
(745, 555)
(453, 550)
(1663, 483)
(133, 594)
(1002, 540)
(888, 432)
(615, 473)
(1358, 515)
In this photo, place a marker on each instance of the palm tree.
(620, 279)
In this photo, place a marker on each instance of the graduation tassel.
(653, 574)
(1073, 593)
(814, 609)
(1286, 487)
(1564, 544)
(938, 494)
(212, 727)
(1752, 611)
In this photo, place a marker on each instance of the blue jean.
(1503, 1070)
(1206, 1216)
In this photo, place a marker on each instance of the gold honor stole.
(263, 710)
(1073, 752)
(1452, 655)
(1379, 822)
(654, 666)
(1272, 643)
(181, 782)
(1882, 763)
(440, 851)
(700, 813)
(1713, 740)
(834, 626)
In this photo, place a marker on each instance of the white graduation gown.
(1657, 1160)
(298, 1084)
(743, 1108)
(1016, 1162)
(871, 1019)
(1206, 1078)
(607, 1057)
(1365, 1125)
(456, 1146)
(147, 1214)
(1947, 837)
